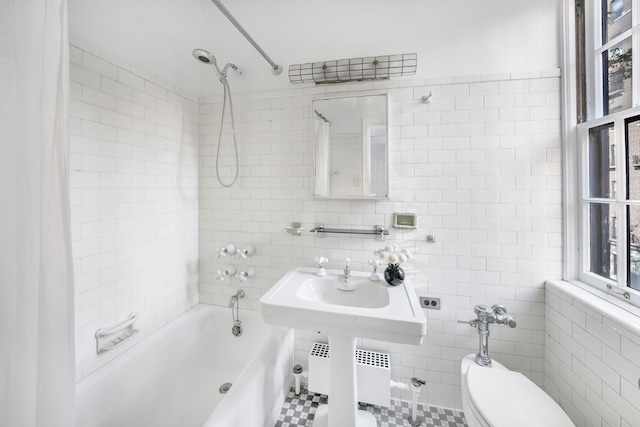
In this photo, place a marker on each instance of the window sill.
(617, 311)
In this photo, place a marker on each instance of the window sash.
(595, 47)
(619, 201)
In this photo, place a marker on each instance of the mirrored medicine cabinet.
(351, 146)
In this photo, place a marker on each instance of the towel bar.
(380, 231)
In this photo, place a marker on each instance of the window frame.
(576, 223)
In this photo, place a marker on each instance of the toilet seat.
(503, 398)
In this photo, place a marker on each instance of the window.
(608, 236)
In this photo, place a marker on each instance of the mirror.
(351, 146)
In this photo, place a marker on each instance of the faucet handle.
(375, 276)
(320, 260)
(347, 261)
(230, 249)
(250, 250)
(244, 275)
(473, 322)
(229, 271)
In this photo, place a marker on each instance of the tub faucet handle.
(229, 271)
(230, 249)
(249, 251)
(244, 275)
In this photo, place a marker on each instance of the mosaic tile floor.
(299, 411)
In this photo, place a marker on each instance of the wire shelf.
(354, 69)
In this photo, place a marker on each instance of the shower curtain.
(37, 373)
(322, 129)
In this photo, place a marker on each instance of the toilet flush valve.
(485, 316)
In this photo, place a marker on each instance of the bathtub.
(172, 378)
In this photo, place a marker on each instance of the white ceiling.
(455, 37)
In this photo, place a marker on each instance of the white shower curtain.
(322, 181)
(37, 373)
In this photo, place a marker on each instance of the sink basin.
(374, 310)
(365, 293)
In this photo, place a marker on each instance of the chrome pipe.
(276, 68)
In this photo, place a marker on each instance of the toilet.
(493, 396)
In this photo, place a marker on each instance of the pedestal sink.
(374, 310)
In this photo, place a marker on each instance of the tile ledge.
(622, 313)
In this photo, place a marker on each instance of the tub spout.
(234, 299)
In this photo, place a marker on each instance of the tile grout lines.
(300, 410)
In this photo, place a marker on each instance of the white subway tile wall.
(134, 196)
(480, 165)
(592, 357)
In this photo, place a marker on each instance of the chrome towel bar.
(379, 230)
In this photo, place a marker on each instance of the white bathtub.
(172, 378)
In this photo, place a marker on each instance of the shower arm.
(276, 68)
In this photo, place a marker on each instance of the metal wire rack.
(354, 69)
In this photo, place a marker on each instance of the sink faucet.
(347, 272)
(345, 284)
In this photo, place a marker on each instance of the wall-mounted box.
(405, 220)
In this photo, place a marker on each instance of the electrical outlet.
(430, 302)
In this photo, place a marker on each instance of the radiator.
(373, 373)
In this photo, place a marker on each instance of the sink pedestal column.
(342, 409)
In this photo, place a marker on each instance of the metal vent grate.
(372, 358)
(320, 350)
(363, 357)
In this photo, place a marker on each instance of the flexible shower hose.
(227, 93)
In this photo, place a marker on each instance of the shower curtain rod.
(276, 68)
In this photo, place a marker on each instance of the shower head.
(204, 56)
